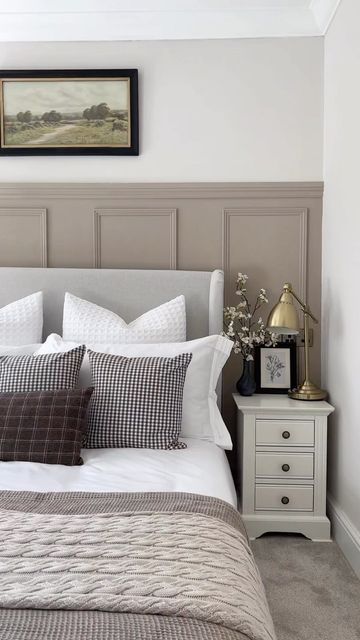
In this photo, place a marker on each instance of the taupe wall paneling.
(135, 238)
(263, 239)
(23, 237)
(269, 244)
(271, 231)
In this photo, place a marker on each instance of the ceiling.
(111, 20)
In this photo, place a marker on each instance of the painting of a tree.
(70, 112)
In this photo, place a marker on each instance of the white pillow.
(201, 416)
(22, 350)
(86, 322)
(21, 322)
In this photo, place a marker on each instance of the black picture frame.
(263, 378)
(128, 124)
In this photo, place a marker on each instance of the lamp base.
(307, 391)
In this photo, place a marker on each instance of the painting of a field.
(66, 113)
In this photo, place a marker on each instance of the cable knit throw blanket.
(106, 566)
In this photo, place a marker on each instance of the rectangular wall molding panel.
(23, 237)
(135, 238)
(263, 236)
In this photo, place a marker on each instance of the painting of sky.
(65, 96)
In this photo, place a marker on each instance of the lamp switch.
(300, 338)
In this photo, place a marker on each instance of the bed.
(135, 543)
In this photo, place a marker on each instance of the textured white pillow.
(22, 350)
(21, 322)
(86, 322)
(201, 416)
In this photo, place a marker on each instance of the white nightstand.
(282, 460)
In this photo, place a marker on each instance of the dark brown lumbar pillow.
(43, 426)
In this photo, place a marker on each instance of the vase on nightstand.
(246, 385)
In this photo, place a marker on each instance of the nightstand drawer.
(284, 498)
(284, 465)
(285, 432)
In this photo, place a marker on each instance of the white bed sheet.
(202, 468)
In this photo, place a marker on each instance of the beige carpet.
(312, 592)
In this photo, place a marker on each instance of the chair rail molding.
(218, 190)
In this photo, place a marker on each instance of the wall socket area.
(300, 338)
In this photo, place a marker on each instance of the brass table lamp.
(283, 319)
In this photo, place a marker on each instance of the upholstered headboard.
(126, 292)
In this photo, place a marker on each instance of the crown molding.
(110, 20)
(324, 12)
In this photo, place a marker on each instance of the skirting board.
(345, 534)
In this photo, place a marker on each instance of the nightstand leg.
(316, 529)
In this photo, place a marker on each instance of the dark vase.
(246, 385)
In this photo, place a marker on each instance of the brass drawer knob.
(286, 435)
(285, 500)
(286, 467)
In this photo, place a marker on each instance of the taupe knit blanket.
(149, 565)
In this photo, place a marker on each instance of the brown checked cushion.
(137, 402)
(43, 426)
(41, 373)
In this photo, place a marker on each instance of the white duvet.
(201, 468)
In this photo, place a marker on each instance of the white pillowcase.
(201, 416)
(21, 322)
(86, 322)
(22, 350)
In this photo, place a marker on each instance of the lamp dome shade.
(283, 318)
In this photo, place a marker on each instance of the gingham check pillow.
(43, 426)
(137, 402)
(41, 373)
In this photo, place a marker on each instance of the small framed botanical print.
(275, 368)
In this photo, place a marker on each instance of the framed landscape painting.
(88, 112)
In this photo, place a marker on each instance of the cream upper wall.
(341, 257)
(233, 110)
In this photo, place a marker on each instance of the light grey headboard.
(126, 292)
